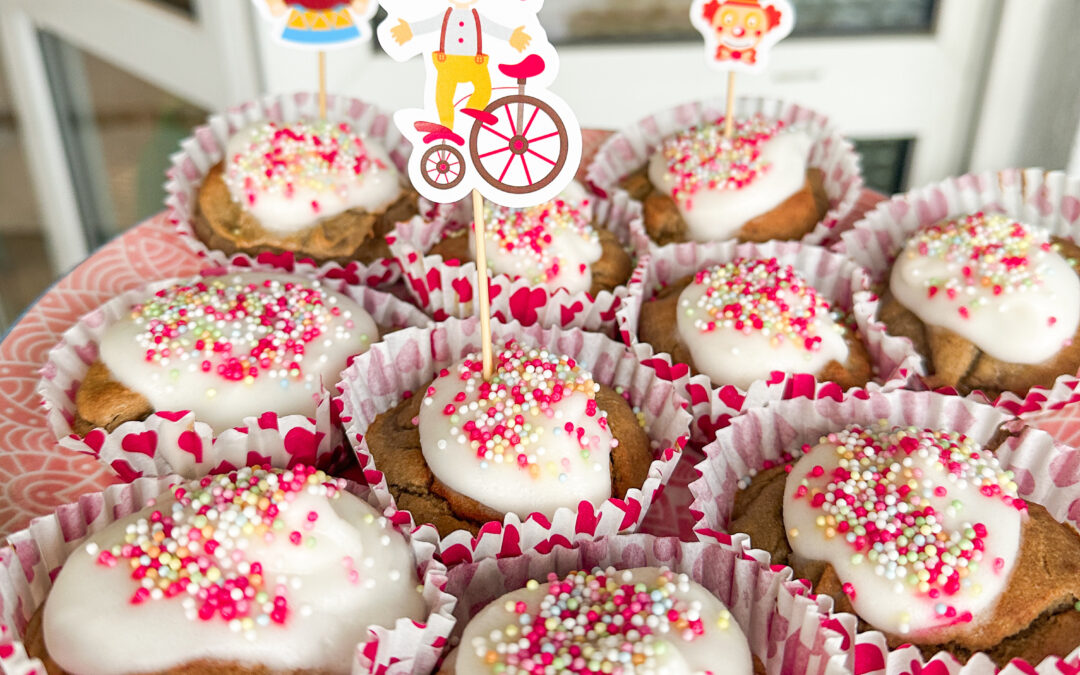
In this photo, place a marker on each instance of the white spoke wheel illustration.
(520, 146)
(443, 166)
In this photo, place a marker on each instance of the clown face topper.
(320, 24)
(739, 33)
(489, 121)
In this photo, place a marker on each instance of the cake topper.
(320, 25)
(489, 124)
(738, 37)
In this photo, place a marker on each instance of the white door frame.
(872, 87)
(209, 61)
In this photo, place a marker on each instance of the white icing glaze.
(730, 353)
(178, 382)
(549, 468)
(1028, 309)
(358, 572)
(717, 214)
(720, 648)
(309, 181)
(516, 244)
(883, 591)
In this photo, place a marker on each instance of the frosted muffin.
(256, 571)
(923, 536)
(555, 245)
(647, 619)
(541, 435)
(225, 348)
(700, 186)
(991, 303)
(318, 189)
(739, 322)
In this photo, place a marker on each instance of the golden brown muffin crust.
(793, 219)
(102, 401)
(612, 270)
(956, 362)
(1035, 617)
(356, 234)
(658, 326)
(394, 442)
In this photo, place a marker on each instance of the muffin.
(258, 571)
(225, 348)
(740, 321)
(316, 188)
(646, 619)
(700, 186)
(555, 245)
(923, 535)
(541, 435)
(991, 303)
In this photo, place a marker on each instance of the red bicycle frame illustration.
(518, 143)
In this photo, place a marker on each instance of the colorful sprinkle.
(499, 418)
(878, 501)
(599, 622)
(762, 296)
(994, 253)
(531, 232)
(238, 330)
(702, 158)
(197, 546)
(280, 159)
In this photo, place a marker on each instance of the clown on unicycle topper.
(489, 122)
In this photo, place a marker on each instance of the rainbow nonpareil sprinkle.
(499, 419)
(703, 158)
(598, 622)
(194, 547)
(879, 503)
(530, 232)
(238, 330)
(994, 252)
(281, 159)
(761, 296)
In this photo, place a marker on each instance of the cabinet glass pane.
(24, 265)
(591, 21)
(118, 133)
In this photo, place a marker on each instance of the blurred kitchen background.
(96, 94)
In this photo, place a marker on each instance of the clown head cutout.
(489, 121)
(320, 24)
(739, 33)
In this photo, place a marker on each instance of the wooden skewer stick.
(482, 282)
(729, 116)
(322, 84)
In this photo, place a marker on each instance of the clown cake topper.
(739, 33)
(489, 122)
(320, 24)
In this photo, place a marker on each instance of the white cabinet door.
(204, 55)
(882, 69)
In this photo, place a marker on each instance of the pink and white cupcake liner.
(206, 147)
(786, 627)
(174, 441)
(382, 377)
(34, 556)
(631, 149)
(765, 437)
(1046, 200)
(842, 282)
(448, 290)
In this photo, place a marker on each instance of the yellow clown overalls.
(457, 69)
